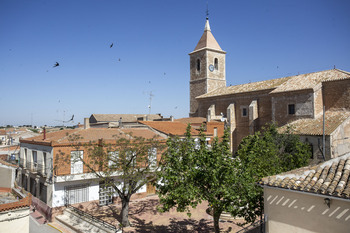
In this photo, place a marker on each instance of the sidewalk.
(40, 219)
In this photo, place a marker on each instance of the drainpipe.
(324, 136)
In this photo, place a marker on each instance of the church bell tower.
(207, 67)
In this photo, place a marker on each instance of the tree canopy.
(267, 153)
(194, 172)
(126, 164)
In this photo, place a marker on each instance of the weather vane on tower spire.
(207, 12)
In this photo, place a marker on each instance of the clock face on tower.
(211, 68)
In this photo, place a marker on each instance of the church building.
(299, 101)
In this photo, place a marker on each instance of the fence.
(256, 227)
(93, 218)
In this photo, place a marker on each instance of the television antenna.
(150, 103)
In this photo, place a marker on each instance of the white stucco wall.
(8, 175)
(15, 220)
(294, 212)
(142, 189)
(58, 191)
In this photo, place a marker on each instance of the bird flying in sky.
(57, 64)
(111, 45)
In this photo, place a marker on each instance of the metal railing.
(37, 168)
(93, 218)
(43, 169)
(32, 167)
(258, 226)
(22, 163)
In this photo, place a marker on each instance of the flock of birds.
(110, 46)
(58, 64)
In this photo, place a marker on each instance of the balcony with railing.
(22, 163)
(37, 168)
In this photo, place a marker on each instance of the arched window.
(216, 63)
(198, 65)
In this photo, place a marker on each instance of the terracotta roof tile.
(93, 134)
(169, 127)
(192, 120)
(125, 117)
(292, 83)
(248, 87)
(311, 80)
(309, 126)
(329, 178)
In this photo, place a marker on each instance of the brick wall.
(25, 202)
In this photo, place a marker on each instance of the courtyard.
(145, 217)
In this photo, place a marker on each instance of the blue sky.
(152, 39)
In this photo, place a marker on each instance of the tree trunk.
(125, 212)
(216, 215)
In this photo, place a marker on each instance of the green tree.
(126, 164)
(191, 173)
(264, 154)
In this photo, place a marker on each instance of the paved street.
(35, 227)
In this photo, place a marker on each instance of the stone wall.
(336, 95)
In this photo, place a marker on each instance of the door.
(151, 189)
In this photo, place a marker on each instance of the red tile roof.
(292, 83)
(309, 126)
(169, 127)
(25, 202)
(91, 134)
(329, 178)
(192, 120)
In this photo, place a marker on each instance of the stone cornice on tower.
(207, 41)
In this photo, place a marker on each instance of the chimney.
(171, 118)
(120, 123)
(86, 123)
(44, 133)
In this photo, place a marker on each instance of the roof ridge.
(343, 71)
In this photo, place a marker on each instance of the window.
(198, 65)
(152, 157)
(44, 166)
(216, 64)
(76, 193)
(25, 158)
(197, 143)
(244, 112)
(35, 160)
(113, 159)
(76, 162)
(215, 131)
(130, 157)
(106, 193)
(291, 109)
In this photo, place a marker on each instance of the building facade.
(309, 199)
(51, 169)
(246, 108)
